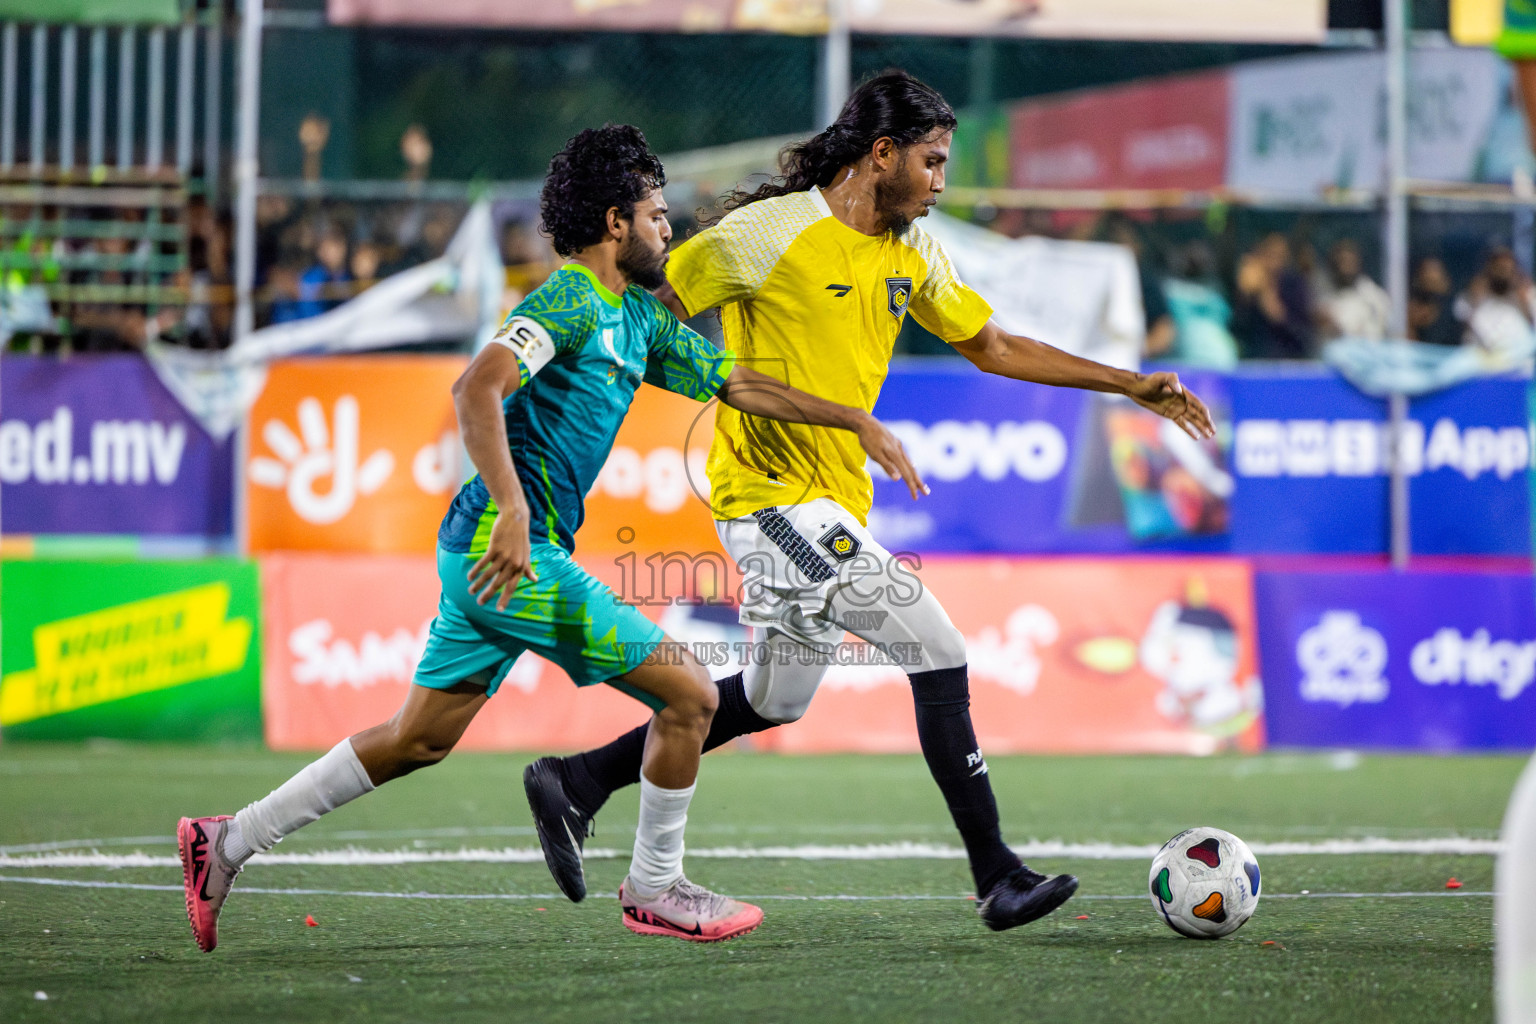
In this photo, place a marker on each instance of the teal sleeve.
(682, 361)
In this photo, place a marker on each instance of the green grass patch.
(127, 955)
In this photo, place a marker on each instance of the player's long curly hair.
(891, 105)
(597, 170)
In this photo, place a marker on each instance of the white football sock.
(1514, 908)
(322, 786)
(658, 859)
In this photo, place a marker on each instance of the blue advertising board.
(1018, 467)
(95, 444)
(1301, 467)
(1308, 442)
(1415, 660)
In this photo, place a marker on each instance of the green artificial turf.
(122, 954)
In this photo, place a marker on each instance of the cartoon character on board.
(1191, 648)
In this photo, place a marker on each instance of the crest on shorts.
(898, 292)
(842, 544)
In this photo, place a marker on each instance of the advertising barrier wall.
(1422, 661)
(95, 444)
(1310, 457)
(1017, 467)
(344, 633)
(130, 650)
(1072, 655)
(1300, 467)
(353, 453)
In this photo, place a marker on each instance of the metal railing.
(85, 100)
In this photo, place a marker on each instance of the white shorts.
(808, 573)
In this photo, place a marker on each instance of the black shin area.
(954, 758)
(592, 777)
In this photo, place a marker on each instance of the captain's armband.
(529, 340)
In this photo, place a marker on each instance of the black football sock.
(591, 778)
(954, 758)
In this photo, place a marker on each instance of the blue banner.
(1301, 467)
(1018, 467)
(1311, 465)
(95, 444)
(1421, 661)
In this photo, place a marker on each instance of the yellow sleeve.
(944, 304)
(707, 270)
(731, 260)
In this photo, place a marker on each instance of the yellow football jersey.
(810, 301)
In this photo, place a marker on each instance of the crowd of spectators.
(1208, 303)
(1279, 301)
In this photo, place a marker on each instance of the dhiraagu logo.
(128, 649)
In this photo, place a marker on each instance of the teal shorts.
(566, 617)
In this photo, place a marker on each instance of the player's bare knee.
(415, 749)
(423, 753)
(695, 703)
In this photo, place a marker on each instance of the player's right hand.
(885, 448)
(508, 557)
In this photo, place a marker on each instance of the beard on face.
(892, 197)
(643, 265)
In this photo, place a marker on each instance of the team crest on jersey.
(842, 544)
(898, 292)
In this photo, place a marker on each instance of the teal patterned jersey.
(583, 352)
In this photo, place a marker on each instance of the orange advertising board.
(1072, 655)
(353, 453)
(652, 495)
(344, 634)
(1066, 655)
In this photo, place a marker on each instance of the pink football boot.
(688, 911)
(205, 873)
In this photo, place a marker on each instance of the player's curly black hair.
(599, 169)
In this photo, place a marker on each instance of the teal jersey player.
(582, 352)
(538, 412)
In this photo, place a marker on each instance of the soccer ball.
(1205, 883)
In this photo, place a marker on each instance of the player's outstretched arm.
(994, 350)
(758, 394)
(477, 396)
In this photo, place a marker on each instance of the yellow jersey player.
(814, 274)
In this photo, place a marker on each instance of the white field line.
(422, 838)
(354, 857)
(75, 883)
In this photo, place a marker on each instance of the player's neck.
(603, 261)
(851, 198)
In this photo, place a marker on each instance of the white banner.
(456, 296)
(1083, 297)
(1233, 20)
(1303, 125)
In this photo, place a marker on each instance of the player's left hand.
(507, 559)
(1164, 395)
